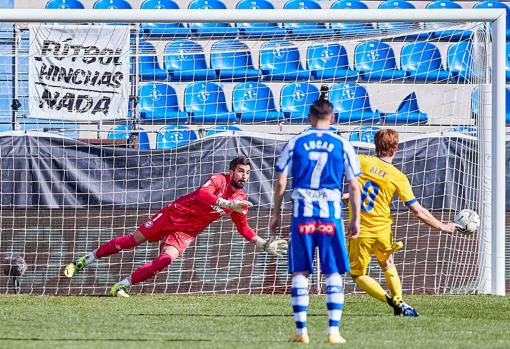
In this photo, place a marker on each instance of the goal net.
(106, 123)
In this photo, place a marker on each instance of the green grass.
(189, 321)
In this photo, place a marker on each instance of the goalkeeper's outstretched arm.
(273, 246)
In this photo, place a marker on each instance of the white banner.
(79, 72)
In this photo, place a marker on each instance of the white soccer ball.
(469, 221)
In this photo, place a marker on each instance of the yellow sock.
(393, 281)
(371, 287)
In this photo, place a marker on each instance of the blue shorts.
(325, 233)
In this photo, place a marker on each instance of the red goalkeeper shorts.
(160, 227)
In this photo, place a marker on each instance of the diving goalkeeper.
(181, 221)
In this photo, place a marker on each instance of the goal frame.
(492, 253)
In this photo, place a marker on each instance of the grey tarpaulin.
(58, 172)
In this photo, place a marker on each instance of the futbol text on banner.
(79, 72)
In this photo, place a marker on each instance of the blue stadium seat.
(6, 34)
(352, 104)
(159, 102)
(466, 130)
(112, 5)
(173, 136)
(375, 61)
(5, 124)
(148, 66)
(507, 106)
(408, 112)
(460, 61)
(450, 34)
(220, 128)
(254, 102)
(421, 61)
(352, 28)
(399, 26)
(296, 99)
(223, 30)
(497, 4)
(231, 59)
(280, 61)
(475, 103)
(329, 61)
(364, 134)
(507, 65)
(185, 60)
(6, 99)
(306, 29)
(206, 103)
(475, 107)
(64, 4)
(258, 30)
(6, 63)
(124, 132)
(162, 30)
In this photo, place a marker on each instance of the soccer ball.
(468, 220)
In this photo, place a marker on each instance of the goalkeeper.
(380, 181)
(179, 223)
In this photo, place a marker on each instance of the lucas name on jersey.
(318, 145)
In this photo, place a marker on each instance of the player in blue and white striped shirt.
(317, 160)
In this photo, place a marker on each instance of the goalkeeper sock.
(300, 301)
(393, 281)
(150, 269)
(371, 287)
(334, 301)
(115, 245)
(90, 258)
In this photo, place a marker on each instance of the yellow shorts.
(362, 249)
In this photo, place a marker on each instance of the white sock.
(334, 301)
(90, 258)
(126, 282)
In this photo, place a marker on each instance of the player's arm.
(405, 193)
(426, 217)
(355, 200)
(352, 172)
(279, 191)
(205, 195)
(273, 246)
(282, 168)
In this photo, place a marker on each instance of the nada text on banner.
(79, 72)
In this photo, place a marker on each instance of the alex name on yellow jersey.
(379, 182)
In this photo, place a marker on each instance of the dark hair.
(322, 108)
(240, 160)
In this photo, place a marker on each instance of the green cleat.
(119, 290)
(72, 268)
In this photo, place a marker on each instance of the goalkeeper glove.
(273, 246)
(234, 205)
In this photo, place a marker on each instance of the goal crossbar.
(493, 270)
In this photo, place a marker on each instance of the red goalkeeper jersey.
(192, 213)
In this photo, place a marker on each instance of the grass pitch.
(189, 321)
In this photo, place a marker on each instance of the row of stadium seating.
(253, 102)
(174, 136)
(273, 29)
(279, 60)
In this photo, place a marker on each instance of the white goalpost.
(70, 179)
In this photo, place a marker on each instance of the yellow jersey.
(379, 181)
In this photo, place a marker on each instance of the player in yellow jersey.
(380, 181)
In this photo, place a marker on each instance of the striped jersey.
(317, 160)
